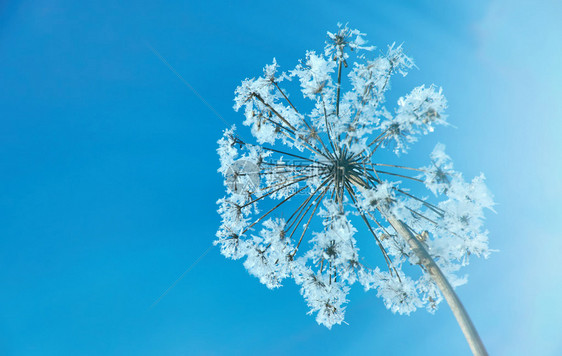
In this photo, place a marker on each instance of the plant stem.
(338, 89)
(451, 297)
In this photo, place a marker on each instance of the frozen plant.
(324, 171)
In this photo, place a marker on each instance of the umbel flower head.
(313, 185)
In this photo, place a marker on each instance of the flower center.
(346, 171)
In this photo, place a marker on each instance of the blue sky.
(108, 174)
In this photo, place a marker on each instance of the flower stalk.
(427, 262)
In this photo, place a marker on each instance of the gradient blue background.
(108, 175)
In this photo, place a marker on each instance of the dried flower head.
(318, 171)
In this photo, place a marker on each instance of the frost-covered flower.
(322, 190)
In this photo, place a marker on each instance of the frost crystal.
(324, 179)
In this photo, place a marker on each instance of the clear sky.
(108, 175)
